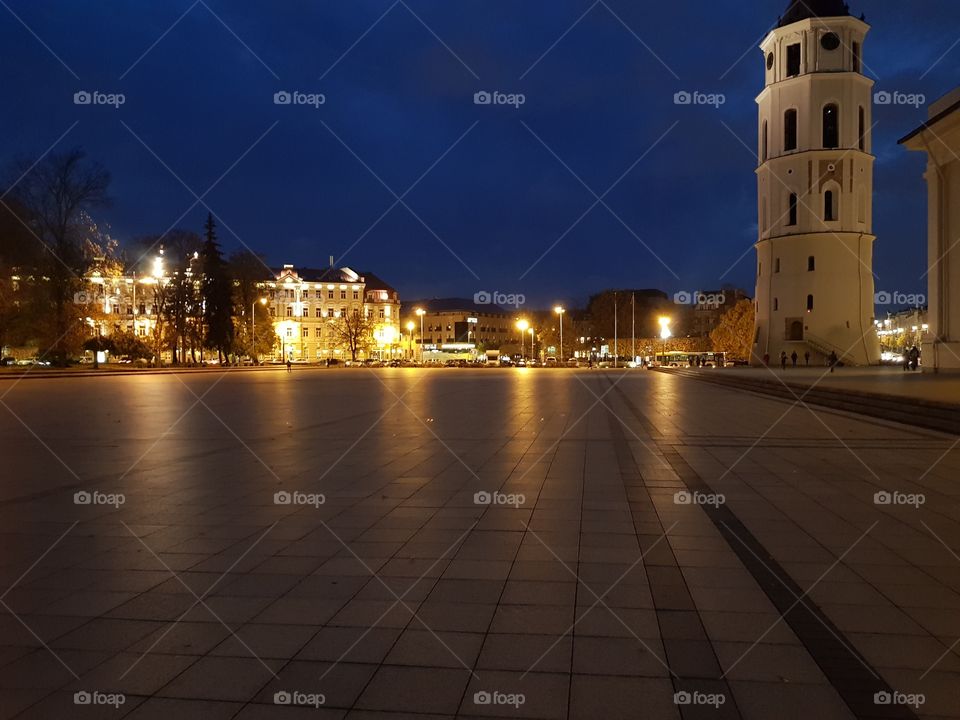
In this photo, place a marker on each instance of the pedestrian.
(766, 359)
(806, 358)
(289, 365)
(794, 357)
(783, 359)
(914, 357)
(833, 360)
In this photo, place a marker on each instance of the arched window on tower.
(855, 52)
(862, 129)
(776, 304)
(811, 263)
(792, 219)
(763, 143)
(829, 206)
(809, 303)
(831, 126)
(790, 130)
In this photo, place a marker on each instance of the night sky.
(496, 187)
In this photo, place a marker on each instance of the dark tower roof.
(803, 9)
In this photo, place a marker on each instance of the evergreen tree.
(216, 293)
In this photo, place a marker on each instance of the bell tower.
(815, 290)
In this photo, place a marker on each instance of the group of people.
(911, 359)
(793, 358)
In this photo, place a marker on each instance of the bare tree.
(56, 194)
(353, 331)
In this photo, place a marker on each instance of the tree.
(353, 331)
(247, 270)
(734, 334)
(56, 194)
(216, 291)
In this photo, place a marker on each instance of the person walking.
(914, 358)
(783, 359)
(806, 358)
(289, 365)
(833, 360)
(766, 359)
(794, 357)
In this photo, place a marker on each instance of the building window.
(776, 265)
(306, 312)
(319, 312)
(289, 311)
(793, 60)
(855, 52)
(792, 220)
(273, 312)
(306, 332)
(330, 294)
(811, 263)
(809, 303)
(343, 294)
(829, 206)
(790, 130)
(382, 313)
(289, 332)
(831, 126)
(776, 304)
(763, 143)
(329, 312)
(356, 294)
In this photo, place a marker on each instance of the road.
(403, 543)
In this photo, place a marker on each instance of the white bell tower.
(815, 290)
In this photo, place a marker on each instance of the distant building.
(307, 306)
(939, 138)
(453, 324)
(709, 306)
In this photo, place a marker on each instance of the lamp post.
(522, 326)
(665, 334)
(253, 327)
(560, 310)
(420, 313)
(532, 338)
(410, 326)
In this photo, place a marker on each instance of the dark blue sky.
(399, 100)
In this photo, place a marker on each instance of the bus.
(679, 359)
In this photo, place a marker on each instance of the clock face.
(830, 41)
(770, 61)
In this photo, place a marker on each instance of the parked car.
(7, 361)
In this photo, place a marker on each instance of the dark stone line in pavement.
(693, 663)
(854, 679)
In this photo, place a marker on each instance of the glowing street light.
(410, 326)
(665, 334)
(560, 310)
(522, 326)
(420, 313)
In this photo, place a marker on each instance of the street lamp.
(410, 326)
(420, 313)
(253, 325)
(665, 334)
(522, 326)
(560, 310)
(532, 354)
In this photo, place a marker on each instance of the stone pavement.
(469, 543)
